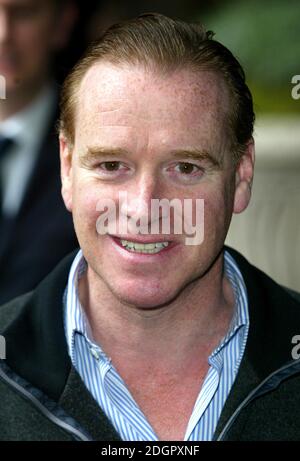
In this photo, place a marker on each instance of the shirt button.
(95, 354)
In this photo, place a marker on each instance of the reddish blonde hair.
(164, 44)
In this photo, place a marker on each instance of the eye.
(187, 168)
(185, 172)
(110, 166)
(111, 169)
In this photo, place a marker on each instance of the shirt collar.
(240, 317)
(75, 318)
(77, 322)
(20, 125)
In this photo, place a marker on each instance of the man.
(36, 231)
(145, 335)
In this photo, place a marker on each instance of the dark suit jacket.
(42, 232)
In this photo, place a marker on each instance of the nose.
(139, 197)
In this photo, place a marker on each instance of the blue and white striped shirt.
(108, 388)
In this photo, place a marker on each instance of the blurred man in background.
(35, 229)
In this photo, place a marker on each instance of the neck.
(18, 100)
(197, 319)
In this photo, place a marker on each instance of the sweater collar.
(37, 349)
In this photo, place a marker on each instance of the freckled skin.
(150, 116)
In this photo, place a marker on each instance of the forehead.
(181, 102)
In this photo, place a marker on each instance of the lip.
(142, 257)
(142, 239)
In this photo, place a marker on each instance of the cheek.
(218, 206)
(85, 205)
(90, 199)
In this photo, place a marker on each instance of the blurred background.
(265, 37)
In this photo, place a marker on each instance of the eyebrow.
(197, 155)
(194, 154)
(95, 152)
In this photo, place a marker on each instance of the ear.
(243, 178)
(66, 171)
(65, 22)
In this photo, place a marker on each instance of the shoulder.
(262, 288)
(41, 301)
(293, 293)
(10, 310)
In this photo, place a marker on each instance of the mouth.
(142, 247)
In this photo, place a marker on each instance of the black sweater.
(43, 397)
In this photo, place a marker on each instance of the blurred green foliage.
(265, 37)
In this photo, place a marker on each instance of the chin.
(145, 297)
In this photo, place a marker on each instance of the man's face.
(142, 134)
(30, 30)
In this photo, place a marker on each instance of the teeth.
(147, 248)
